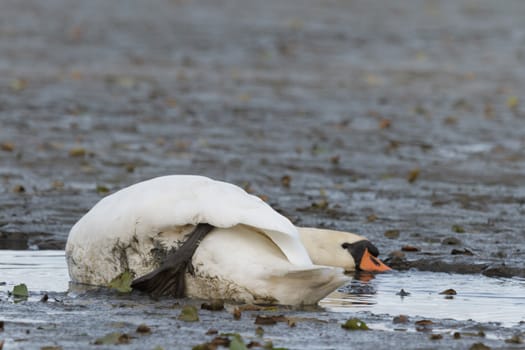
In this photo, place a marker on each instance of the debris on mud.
(400, 319)
(449, 291)
(403, 293)
(143, 329)
(189, 314)
(114, 338)
(213, 305)
(20, 291)
(122, 283)
(355, 324)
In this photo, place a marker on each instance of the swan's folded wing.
(152, 206)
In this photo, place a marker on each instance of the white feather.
(162, 203)
(254, 255)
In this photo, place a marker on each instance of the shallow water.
(43, 270)
(478, 298)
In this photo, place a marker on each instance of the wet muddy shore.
(401, 121)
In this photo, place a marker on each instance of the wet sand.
(402, 121)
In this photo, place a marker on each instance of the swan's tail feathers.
(309, 285)
(168, 279)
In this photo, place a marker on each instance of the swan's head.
(341, 249)
(365, 256)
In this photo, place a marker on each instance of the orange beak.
(372, 264)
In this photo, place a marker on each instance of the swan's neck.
(325, 246)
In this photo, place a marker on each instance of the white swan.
(194, 236)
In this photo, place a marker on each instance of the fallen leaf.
(513, 102)
(51, 347)
(244, 97)
(142, 328)
(253, 344)
(113, 339)
(44, 298)
(409, 248)
(189, 314)
(456, 335)
(355, 324)
(320, 204)
(424, 323)
(286, 180)
(436, 336)
(450, 241)
(122, 282)
(237, 343)
(413, 175)
(19, 189)
(464, 251)
(420, 110)
(18, 84)
(400, 319)
(214, 305)
(335, 159)
(212, 331)
(171, 102)
(515, 339)
(20, 291)
(450, 120)
(392, 234)
(266, 320)
(7, 146)
(101, 189)
(384, 123)
(479, 346)
(259, 331)
(449, 291)
(77, 152)
(371, 218)
(458, 229)
(237, 314)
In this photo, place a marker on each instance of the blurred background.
(399, 120)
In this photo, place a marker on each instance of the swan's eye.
(345, 245)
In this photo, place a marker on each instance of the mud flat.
(402, 121)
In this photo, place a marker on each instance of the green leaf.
(237, 343)
(189, 314)
(122, 282)
(113, 339)
(458, 229)
(355, 324)
(20, 291)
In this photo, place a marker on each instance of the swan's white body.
(254, 255)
